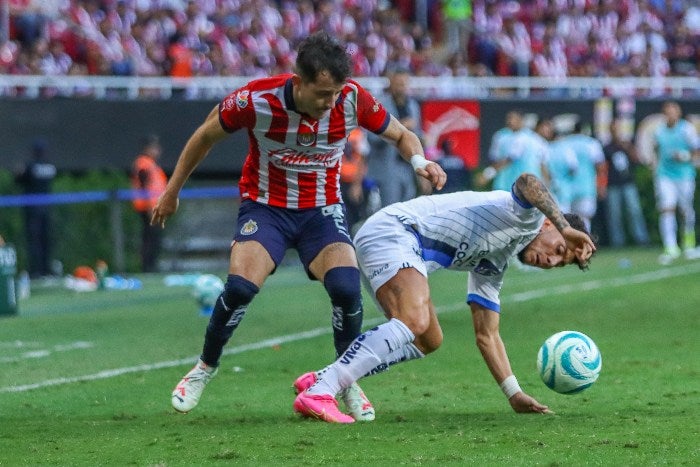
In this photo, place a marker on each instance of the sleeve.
(371, 114)
(236, 110)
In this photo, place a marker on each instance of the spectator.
(148, 177)
(622, 194)
(394, 176)
(36, 179)
(458, 22)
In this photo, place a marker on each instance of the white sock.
(403, 354)
(367, 352)
(668, 229)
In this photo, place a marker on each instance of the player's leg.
(686, 194)
(666, 201)
(327, 253)
(255, 253)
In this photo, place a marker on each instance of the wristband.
(418, 161)
(510, 386)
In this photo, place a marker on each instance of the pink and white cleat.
(322, 407)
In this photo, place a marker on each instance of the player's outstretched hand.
(165, 207)
(522, 403)
(580, 243)
(434, 174)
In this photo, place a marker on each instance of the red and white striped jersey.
(294, 160)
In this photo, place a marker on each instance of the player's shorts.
(306, 230)
(671, 193)
(384, 246)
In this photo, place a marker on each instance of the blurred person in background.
(298, 125)
(677, 152)
(393, 174)
(352, 177)
(149, 178)
(37, 179)
(590, 170)
(622, 195)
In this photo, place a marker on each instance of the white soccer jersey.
(468, 231)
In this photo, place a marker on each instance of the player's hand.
(434, 174)
(580, 243)
(522, 403)
(165, 207)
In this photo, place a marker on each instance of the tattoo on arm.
(531, 188)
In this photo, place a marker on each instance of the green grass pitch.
(87, 377)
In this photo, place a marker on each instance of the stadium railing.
(139, 87)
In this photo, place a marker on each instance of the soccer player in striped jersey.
(468, 231)
(297, 126)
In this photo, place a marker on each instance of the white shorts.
(384, 246)
(671, 193)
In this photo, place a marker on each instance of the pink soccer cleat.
(304, 382)
(323, 407)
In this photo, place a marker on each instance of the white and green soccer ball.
(206, 291)
(569, 362)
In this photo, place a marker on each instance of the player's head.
(672, 112)
(320, 53)
(322, 67)
(514, 119)
(549, 250)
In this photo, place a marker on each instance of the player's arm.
(195, 150)
(411, 150)
(531, 189)
(488, 339)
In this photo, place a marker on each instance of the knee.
(343, 286)
(238, 291)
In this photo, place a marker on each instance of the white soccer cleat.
(669, 255)
(692, 253)
(359, 407)
(188, 391)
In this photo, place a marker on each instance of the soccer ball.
(206, 291)
(569, 362)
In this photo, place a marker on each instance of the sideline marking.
(650, 276)
(41, 353)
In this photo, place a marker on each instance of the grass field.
(87, 377)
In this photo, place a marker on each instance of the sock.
(400, 355)
(343, 287)
(668, 228)
(227, 315)
(365, 353)
(689, 239)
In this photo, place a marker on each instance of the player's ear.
(547, 224)
(296, 79)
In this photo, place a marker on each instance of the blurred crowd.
(184, 38)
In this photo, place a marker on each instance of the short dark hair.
(320, 52)
(577, 223)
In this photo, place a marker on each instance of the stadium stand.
(193, 38)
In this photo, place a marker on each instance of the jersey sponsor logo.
(288, 157)
(249, 228)
(242, 99)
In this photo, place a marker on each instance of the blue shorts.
(306, 230)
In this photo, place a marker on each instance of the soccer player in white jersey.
(678, 150)
(297, 125)
(468, 231)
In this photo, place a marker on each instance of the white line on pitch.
(518, 297)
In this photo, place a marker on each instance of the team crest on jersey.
(249, 228)
(306, 134)
(242, 99)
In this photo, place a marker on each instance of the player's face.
(548, 250)
(316, 98)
